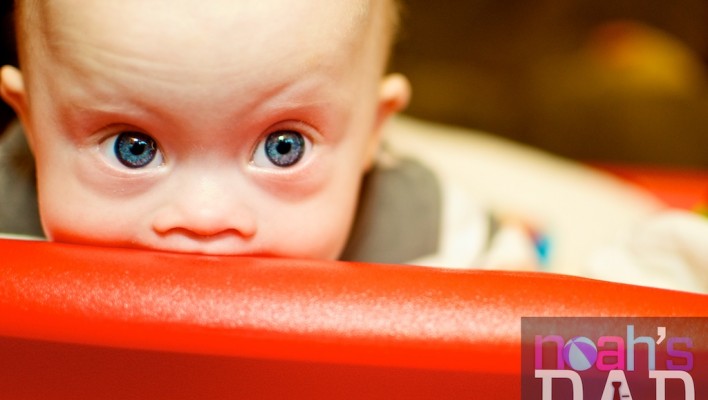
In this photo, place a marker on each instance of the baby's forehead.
(158, 14)
(211, 24)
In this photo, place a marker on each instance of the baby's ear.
(12, 90)
(394, 94)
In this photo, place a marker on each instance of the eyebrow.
(86, 113)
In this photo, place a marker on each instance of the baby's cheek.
(323, 228)
(66, 218)
(90, 221)
(78, 205)
(68, 215)
(312, 239)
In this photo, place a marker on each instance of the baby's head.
(207, 126)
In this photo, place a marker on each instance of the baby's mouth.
(222, 244)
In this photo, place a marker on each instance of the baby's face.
(217, 127)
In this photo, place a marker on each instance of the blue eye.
(284, 148)
(135, 149)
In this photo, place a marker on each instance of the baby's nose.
(204, 222)
(205, 209)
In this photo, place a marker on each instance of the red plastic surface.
(87, 322)
(679, 188)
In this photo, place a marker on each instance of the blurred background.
(595, 80)
(7, 51)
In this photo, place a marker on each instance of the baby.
(215, 127)
(254, 128)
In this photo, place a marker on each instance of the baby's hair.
(26, 12)
(394, 9)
